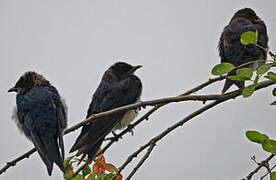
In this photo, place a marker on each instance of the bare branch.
(154, 140)
(13, 162)
(164, 133)
(262, 164)
(152, 144)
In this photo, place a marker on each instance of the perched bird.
(41, 116)
(232, 51)
(119, 86)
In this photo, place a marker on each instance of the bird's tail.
(39, 146)
(49, 152)
(228, 83)
(53, 153)
(90, 150)
(47, 162)
(94, 150)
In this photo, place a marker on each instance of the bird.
(232, 51)
(41, 114)
(118, 87)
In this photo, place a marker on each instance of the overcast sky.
(72, 42)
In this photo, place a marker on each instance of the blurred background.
(73, 42)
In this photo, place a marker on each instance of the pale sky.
(73, 42)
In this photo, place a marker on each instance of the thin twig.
(152, 144)
(164, 133)
(262, 164)
(81, 168)
(13, 162)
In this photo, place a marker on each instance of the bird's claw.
(116, 136)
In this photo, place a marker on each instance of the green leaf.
(238, 78)
(67, 176)
(243, 179)
(256, 80)
(273, 103)
(271, 76)
(109, 176)
(248, 91)
(245, 72)
(86, 171)
(274, 92)
(273, 148)
(263, 68)
(78, 177)
(66, 163)
(222, 68)
(273, 176)
(255, 136)
(266, 145)
(249, 37)
(93, 176)
(101, 176)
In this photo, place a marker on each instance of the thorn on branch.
(11, 163)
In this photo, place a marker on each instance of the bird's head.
(246, 13)
(28, 81)
(121, 69)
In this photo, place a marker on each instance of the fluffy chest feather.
(126, 120)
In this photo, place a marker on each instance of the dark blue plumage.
(232, 51)
(119, 87)
(42, 117)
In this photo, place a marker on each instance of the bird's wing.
(60, 115)
(107, 97)
(41, 120)
(29, 124)
(262, 35)
(229, 44)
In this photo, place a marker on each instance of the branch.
(146, 116)
(154, 140)
(152, 144)
(13, 162)
(155, 108)
(73, 128)
(262, 164)
(151, 103)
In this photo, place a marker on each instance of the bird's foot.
(130, 129)
(116, 136)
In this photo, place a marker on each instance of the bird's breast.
(126, 120)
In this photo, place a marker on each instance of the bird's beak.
(137, 67)
(134, 69)
(14, 89)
